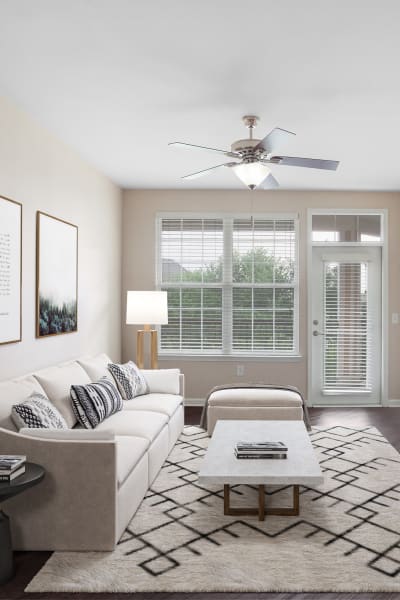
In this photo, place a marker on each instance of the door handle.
(315, 333)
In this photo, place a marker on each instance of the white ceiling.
(118, 79)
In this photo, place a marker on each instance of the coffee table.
(220, 466)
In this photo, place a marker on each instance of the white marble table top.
(220, 465)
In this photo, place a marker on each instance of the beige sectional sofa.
(95, 479)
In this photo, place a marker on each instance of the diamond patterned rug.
(346, 538)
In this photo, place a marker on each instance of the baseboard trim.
(347, 406)
(391, 402)
(194, 402)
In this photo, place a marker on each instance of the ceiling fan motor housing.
(246, 149)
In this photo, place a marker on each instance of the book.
(10, 462)
(244, 455)
(260, 451)
(10, 477)
(259, 448)
(270, 446)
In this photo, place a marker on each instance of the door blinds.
(347, 341)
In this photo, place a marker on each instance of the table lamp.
(147, 309)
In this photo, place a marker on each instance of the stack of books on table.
(260, 450)
(11, 466)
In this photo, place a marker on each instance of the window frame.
(227, 354)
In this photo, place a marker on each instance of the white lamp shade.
(146, 308)
(252, 174)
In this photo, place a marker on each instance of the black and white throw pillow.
(130, 380)
(37, 412)
(94, 402)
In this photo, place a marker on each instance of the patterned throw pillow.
(130, 380)
(38, 412)
(94, 402)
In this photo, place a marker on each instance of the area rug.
(346, 538)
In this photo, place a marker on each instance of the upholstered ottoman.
(258, 402)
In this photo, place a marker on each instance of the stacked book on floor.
(260, 450)
(11, 466)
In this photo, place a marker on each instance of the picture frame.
(56, 276)
(10, 271)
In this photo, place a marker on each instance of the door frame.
(383, 212)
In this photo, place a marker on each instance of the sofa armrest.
(74, 507)
(163, 381)
(181, 385)
(69, 434)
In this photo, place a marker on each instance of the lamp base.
(140, 347)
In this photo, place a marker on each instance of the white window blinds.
(263, 282)
(191, 272)
(347, 342)
(231, 283)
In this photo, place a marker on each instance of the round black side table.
(33, 475)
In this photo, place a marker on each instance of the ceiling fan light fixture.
(251, 173)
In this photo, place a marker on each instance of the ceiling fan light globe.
(251, 173)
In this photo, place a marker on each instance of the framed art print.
(56, 276)
(10, 270)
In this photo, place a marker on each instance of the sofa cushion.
(57, 381)
(94, 402)
(138, 423)
(161, 403)
(37, 412)
(254, 397)
(96, 366)
(12, 392)
(163, 381)
(129, 380)
(130, 450)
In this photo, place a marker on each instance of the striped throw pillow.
(37, 412)
(130, 380)
(94, 402)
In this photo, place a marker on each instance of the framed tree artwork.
(56, 276)
(10, 271)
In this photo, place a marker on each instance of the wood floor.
(387, 420)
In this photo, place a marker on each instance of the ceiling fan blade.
(206, 171)
(186, 146)
(311, 163)
(274, 140)
(269, 183)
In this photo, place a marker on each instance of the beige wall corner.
(43, 174)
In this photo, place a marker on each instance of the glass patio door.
(346, 326)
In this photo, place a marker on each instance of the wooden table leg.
(262, 510)
(6, 553)
(291, 511)
(226, 500)
(261, 503)
(296, 500)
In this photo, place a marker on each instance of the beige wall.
(140, 208)
(43, 174)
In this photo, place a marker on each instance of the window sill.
(230, 358)
(344, 391)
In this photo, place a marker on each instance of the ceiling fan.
(254, 157)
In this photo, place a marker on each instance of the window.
(231, 283)
(346, 228)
